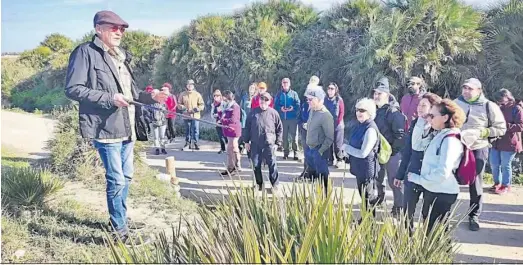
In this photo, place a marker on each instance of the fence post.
(170, 168)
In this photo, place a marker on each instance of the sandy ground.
(500, 239)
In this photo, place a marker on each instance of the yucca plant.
(304, 227)
(28, 187)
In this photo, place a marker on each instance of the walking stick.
(179, 114)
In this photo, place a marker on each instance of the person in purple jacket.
(505, 148)
(231, 118)
(409, 102)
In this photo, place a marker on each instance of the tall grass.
(297, 229)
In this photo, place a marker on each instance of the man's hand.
(409, 176)
(248, 147)
(119, 100)
(397, 183)
(283, 109)
(291, 108)
(159, 96)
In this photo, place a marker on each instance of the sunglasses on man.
(115, 28)
(265, 98)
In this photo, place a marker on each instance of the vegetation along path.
(500, 239)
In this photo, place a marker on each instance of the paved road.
(500, 240)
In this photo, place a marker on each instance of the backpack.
(466, 173)
(385, 150)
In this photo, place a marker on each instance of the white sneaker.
(340, 164)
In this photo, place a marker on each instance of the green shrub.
(298, 229)
(26, 186)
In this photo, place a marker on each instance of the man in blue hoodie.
(287, 103)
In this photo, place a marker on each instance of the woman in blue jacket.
(442, 158)
(416, 141)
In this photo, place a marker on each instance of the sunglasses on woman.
(361, 110)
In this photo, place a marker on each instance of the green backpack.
(385, 150)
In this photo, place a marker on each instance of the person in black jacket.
(391, 124)
(416, 141)
(264, 133)
(100, 79)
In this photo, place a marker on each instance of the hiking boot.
(502, 190)
(227, 172)
(279, 149)
(221, 152)
(285, 157)
(133, 240)
(396, 212)
(196, 147)
(157, 152)
(164, 151)
(132, 225)
(296, 158)
(494, 187)
(186, 146)
(473, 224)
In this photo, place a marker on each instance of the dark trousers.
(334, 150)
(412, 193)
(241, 143)
(303, 140)
(171, 128)
(476, 188)
(366, 190)
(441, 204)
(289, 136)
(222, 139)
(258, 155)
(318, 165)
(390, 169)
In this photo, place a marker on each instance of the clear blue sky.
(25, 23)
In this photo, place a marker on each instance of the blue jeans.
(501, 164)
(118, 162)
(192, 131)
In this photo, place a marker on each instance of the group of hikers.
(419, 145)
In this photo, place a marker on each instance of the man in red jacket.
(262, 88)
(410, 101)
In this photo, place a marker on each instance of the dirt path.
(500, 239)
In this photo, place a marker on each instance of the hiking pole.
(179, 114)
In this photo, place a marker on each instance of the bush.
(299, 229)
(27, 187)
(71, 155)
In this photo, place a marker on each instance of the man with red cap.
(100, 79)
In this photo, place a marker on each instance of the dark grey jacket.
(92, 81)
(263, 128)
(391, 123)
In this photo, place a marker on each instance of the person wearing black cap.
(263, 134)
(391, 124)
(100, 79)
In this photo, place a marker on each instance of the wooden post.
(171, 169)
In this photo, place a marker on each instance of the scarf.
(422, 134)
